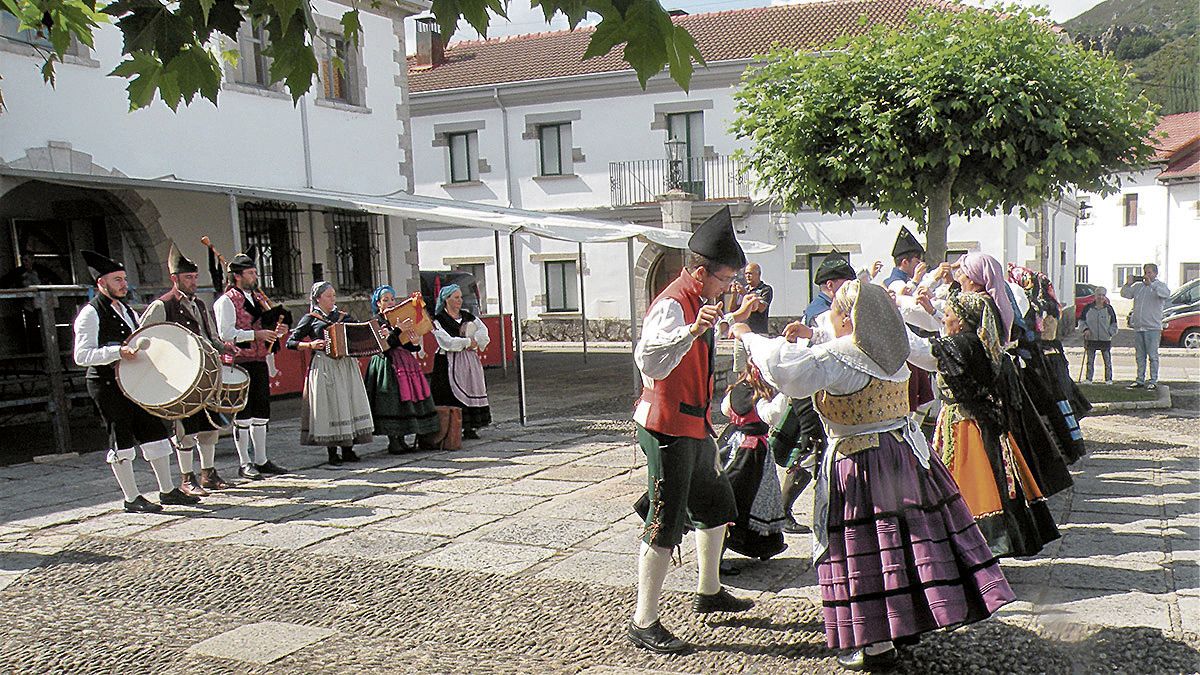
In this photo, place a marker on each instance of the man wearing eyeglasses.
(685, 484)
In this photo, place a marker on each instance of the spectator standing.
(1148, 295)
(1099, 326)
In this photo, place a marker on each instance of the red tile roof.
(1179, 129)
(1185, 163)
(721, 36)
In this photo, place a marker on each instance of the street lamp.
(676, 153)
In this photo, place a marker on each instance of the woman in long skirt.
(336, 411)
(897, 551)
(401, 402)
(457, 378)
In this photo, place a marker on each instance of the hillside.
(1158, 39)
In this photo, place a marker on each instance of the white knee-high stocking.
(123, 470)
(162, 473)
(709, 544)
(241, 440)
(258, 431)
(208, 448)
(187, 459)
(653, 563)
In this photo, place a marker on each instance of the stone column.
(677, 210)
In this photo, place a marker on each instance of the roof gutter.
(508, 182)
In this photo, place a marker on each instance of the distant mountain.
(1158, 39)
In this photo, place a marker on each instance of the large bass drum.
(174, 374)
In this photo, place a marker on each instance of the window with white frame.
(1121, 273)
(554, 151)
(1188, 271)
(464, 156)
(562, 286)
(1130, 203)
(338, 61)
(253, 67)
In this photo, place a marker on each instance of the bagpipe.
(272, 314)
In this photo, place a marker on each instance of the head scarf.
(978, 317)
(446, 292)
(317, 289)
(878, 329)
(986, 271)
(379, 293)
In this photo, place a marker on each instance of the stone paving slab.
(555, 533)
(493, 503)
(377, 544)
(539, 488)
(437, 522)
(262, 643)
(195, 529)
(488, 557)
(287, 536)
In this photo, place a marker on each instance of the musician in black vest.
(101, 328)
(180, 305)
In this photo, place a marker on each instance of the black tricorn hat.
(834, 266)
(99, 265)
(178, 263)
(244, 261)
(906, 244)
(714, 239)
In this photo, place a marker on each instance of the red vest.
(258, 350)
(679, 403)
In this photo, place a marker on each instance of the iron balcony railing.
(642, 181)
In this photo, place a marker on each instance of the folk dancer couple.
(877, 475)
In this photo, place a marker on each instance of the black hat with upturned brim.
(906, 244)
(100, 265)
(178, 263)
(834, 267)
(243, 261)
(714, 239)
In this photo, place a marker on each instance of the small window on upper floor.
(464, 156)
(11, 33)
(554, 146)
(1131, 210)
(339, 63)
(253, 67)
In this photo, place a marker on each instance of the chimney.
(675, 13)
(430, 49)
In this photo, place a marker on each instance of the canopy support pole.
(234, 223)
(582, 301)
(633, 326)
(500, 301)
(512, 253)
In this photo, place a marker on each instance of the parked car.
(1181, 317)
(1084, 294)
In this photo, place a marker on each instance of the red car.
(1181, 319)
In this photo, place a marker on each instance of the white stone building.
(1155, 217)
(524, 121)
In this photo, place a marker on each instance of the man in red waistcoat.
(686, 487)
(180, 305)
(242, 318)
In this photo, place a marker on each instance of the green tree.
(956, 112)
(170, 47)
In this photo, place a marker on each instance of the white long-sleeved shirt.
(768, 411)
(666, 339)
(88, 351)
(799, 370)
(471, 329)
(226, 315)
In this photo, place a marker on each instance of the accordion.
(354, 339)
(412, 308)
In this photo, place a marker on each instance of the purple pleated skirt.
(905, 556)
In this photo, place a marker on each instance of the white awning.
(429, 209)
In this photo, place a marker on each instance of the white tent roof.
(430, 209)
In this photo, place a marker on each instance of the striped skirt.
(905, 556)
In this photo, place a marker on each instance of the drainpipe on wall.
(308, 169)
(1167, 241)
(508, 184)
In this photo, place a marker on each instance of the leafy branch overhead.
(956, 112)
(171, 48)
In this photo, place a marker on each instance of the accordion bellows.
(354, 339)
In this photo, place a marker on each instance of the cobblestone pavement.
(517, 555)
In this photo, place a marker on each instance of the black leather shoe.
(470, 434)
(655, 638)
(142, 505)
(792, 527)
(176, 498)
(860, 660)
(248, 471)
(348, 455)
(334, 458)
(721, 601)
(270, 469)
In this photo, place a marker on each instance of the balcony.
(642, 181)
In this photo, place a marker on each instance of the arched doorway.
(663, 271)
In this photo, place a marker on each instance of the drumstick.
(139, 344)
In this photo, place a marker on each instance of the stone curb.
(1163, 401)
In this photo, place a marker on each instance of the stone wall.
(571, 330)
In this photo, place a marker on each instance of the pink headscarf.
(986, 271)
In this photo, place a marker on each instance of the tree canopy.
(962, 111)
(170, 48)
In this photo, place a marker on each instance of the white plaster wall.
(1184, 213)
(1104, 241)
(249, 140)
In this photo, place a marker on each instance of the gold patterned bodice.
(877, 402)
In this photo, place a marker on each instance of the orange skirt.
(972, 470)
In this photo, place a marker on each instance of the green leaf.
(351, 26)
